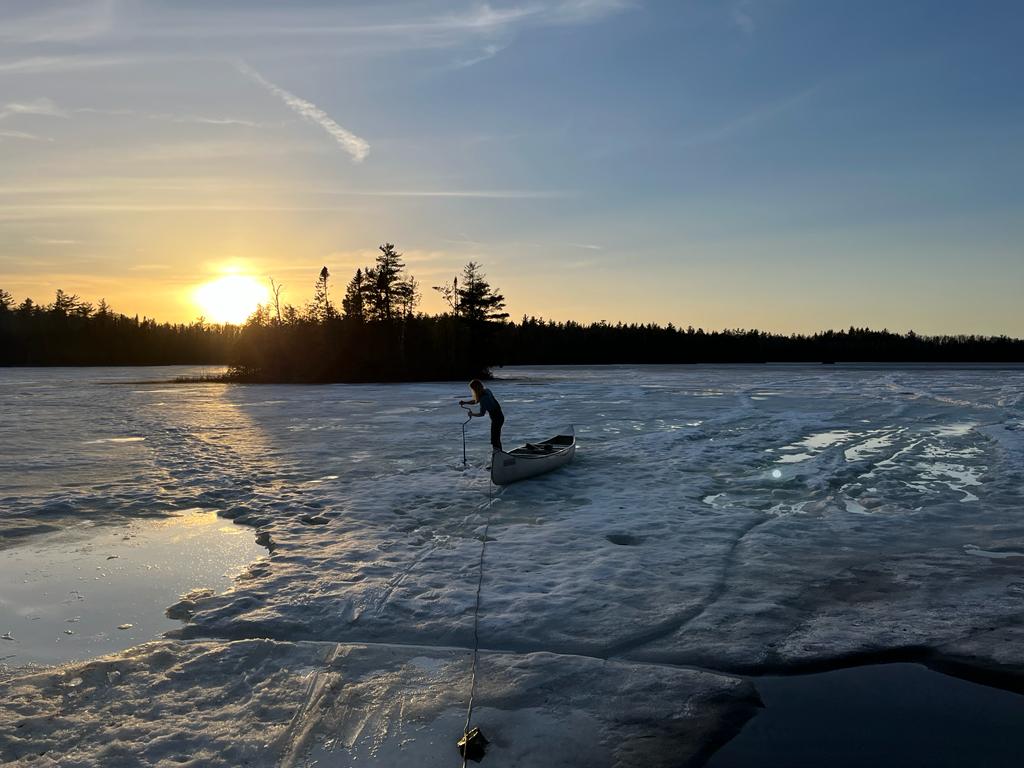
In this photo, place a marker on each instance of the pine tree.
(388, 293)
(477, 301)
(352, 304)
(409, 296)
(64, 304)
(6, 300)
(321, 310)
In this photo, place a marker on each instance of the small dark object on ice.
(472, 745)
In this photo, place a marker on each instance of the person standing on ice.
(489, 405)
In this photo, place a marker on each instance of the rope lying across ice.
(476, 616)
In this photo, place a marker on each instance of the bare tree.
(450, 293)
(275, 289)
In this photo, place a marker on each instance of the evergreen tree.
(6, 300)
(321, 310)
(352, 304)
(477, 301)
(388, 292)
(64, 304)
(409, 296)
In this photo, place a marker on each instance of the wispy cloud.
(743, 17)
(43, 64)
(488, 52)
(507, 194)
(499, 26)
(585, 11)
(357, 147)
(199, 119)
(484, 18)
(376, 21)
(103, 111)
(749, 120)
(23, 135)
(128, 189)
(80, 20)
(40, 106)
(50, 211)
(466, 240)
(353, 28)
(183, 119)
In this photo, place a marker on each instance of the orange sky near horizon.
(798, 179)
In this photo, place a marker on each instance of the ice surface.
(265, 703)
(64, 597)
(733, 518)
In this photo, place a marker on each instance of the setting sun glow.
(230, 299)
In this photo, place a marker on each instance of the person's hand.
(462, 402)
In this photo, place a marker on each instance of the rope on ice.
(472, 744)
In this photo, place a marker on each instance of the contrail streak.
(357, 147)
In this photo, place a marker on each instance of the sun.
(230, 299)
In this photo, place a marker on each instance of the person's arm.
(474, 401)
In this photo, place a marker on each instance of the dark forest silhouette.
(376, 334)
(70, 331)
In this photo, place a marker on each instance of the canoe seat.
(539, 447)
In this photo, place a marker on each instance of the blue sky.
(784, 164)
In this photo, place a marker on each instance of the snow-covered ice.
(737, 519)
(262, 702)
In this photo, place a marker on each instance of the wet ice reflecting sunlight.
(91, 590)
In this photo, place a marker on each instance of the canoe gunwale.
(502, 461)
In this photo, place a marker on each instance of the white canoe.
(532, 459)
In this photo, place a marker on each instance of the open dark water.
(884, 715)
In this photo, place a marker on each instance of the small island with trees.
(375, 333)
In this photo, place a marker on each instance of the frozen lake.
(717, 521)
(92, 589)
(887, 714)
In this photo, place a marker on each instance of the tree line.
(71, 331)
(535, 341)
(375, 333)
